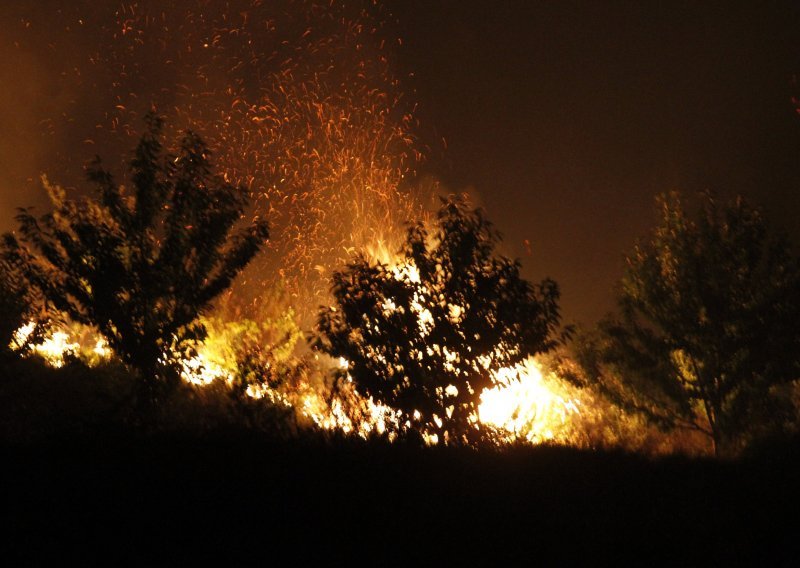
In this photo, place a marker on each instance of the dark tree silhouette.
(424, 336)
(18, 305)
(141, 265)
(709, 327)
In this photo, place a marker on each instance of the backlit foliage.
(19, 305)
(141, 264)
(300, 99)
(708, 335)
(426, 335)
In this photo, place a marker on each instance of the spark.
(299, 101)
(303, 109)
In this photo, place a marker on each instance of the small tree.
(425, 335)
(141, 265)
(710, 323)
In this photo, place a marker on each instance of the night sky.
(568, 117)
(563, 119)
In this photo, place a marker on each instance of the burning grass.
(302, 106)
(522, 407)
(260, 375)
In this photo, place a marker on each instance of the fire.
(325, 151)
(299, 100)
(22, 335)
(55, 348)
(525, 405)
(200, 370)
(101, 349)
(376, 418)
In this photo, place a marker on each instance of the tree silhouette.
(710, 324)
(424, 336)
(19, 305)
(141, 265)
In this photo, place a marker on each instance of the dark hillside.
(235, 497)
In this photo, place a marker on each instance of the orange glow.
(525, 404)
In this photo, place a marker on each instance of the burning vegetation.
(430, 333)
(424, 331)
(308, 121)
(267, 329)
(298, 99)
(420, 343)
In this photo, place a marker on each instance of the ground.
(218, 483)
(238, 498)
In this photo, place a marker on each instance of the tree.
(710, 323)
(18, 307)
(141, 265)
(425, 335)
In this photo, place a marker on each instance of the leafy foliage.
(425, 336)
(17, 308)
(141, 265)
(23, 321)
(709, 329)
(252, 352)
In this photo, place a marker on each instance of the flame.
(56, 347)
(200, 370)
(101, 349)
(63, 342)
(20, 337)
(525, 406)
(325, 151)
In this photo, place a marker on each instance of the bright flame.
(324, 152)
(101, 349)
(524, 406)
(60, 344)
(21, 336)
(200, 370)
(55, 348)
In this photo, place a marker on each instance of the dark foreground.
(233, 498)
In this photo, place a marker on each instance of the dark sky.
(564, 119)
(568, 117)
